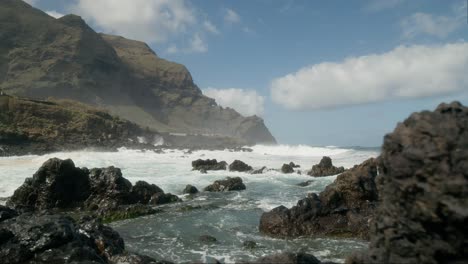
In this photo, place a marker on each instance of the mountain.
(42, 57)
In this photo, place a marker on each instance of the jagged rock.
(143, 191)
(7, 213)
(259, 171)
(207, 239)
(49, 238)
(57, 184)
(164, 198)
(228, 184)
(190, 189)
(286, 168)
(344, 208)
(306, 183)
(240, 166)
(325, 168)
(294, 165)
(423, 187)
(287, 258)
(208, 164)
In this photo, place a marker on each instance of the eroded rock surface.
(325, 168)
(423, 188)
(344, 208)
(228, 184)
(208, 164)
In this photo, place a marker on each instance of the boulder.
(57, 184)
(294, 165)
(306, 183)
(286, 168)
(143, 191)
(423, 216)
(240, 166)
(208, 164)
(228, 184)
(325, 168)
(287, 258)
(249, 244)
(190, 189)
(164, 198)
(344, 208)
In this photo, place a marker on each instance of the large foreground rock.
(423, 213)
(47, 238)
(325, 168)
(228, 184)
(344, 208)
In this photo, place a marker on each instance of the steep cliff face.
(44, 57)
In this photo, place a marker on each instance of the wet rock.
(121, 212)
(286, 168)
(143, 191)
(132, 258)
(288, 258)
(7, 213)
(190, 189)
(57, 184)
(344, 208)
(259, 171)
(208, 164)
(164, 198)
(325, 168)
(228, 184)
(207, 239)
(423, 213)
(306, 183)
(294, 165)
(249, 244)
(240, 166)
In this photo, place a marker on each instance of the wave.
(298, 150)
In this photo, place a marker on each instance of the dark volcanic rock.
(57, 184)
(209, 164)
(47, 238)
(423, 211)
(325, 168)
(143, 191)
(164, 198)
(190, 189)
(294, 165)
(249, 244)
(228, 184)
(7, 213)
(288, 258)
(286, 168)
(344, 208)
(240, 166)
(207, 239)
(304, 184)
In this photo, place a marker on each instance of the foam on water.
(231, 217)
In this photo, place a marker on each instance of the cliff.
(43, 57)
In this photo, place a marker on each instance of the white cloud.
(197, 45)
(231, 17)
(147, 20)
(172, 49)
(208, 26)
(246, 102)
(429, 24)
(54, 14)
(404, 72)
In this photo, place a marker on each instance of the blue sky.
(319, 72)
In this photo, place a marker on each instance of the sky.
(322, 73)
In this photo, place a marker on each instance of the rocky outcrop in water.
(287, 258)
(423, 188)
(239, 166)
(190, 189)
(344, 208)
(325, 168)
(228, 184)
(58, 184)
(287, 168)
(52, 238)
(208, 164)
(259, 171)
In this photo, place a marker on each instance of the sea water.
(231, 217)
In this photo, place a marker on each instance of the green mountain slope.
(43, 57)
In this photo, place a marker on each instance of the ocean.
(232, 217)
